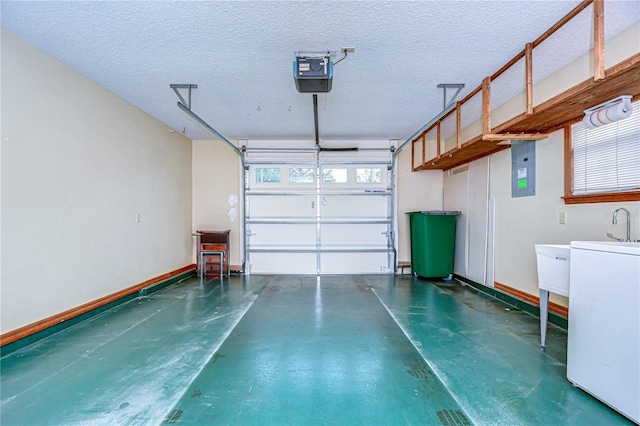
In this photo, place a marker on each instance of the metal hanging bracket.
(175, 88)
(186, 108)
(446, 86)
(447, 106)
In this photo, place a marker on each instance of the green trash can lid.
(438, 212)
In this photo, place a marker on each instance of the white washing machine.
(603, 349)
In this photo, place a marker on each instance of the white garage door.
(319, 213)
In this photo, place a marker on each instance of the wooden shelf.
(537, 122)
(469, 151)
(552, 115)
(549, 116)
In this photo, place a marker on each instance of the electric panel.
(523, 168)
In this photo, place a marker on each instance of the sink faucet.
(615, 220)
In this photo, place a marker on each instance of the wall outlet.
(138, 217)
(563, 218)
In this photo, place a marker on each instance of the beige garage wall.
(216, 176)
(523, 222)
(520, 223)
(417, 191)
(79, 167)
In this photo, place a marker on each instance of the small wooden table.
(209, 239)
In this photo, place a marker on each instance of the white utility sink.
(622, 247)
(553, 276)
(553, 267)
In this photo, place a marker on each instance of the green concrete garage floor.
(336, 350)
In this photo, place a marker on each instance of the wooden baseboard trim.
(38, 326)
(534, 300)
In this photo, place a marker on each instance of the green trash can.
(433, 240)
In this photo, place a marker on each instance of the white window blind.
(607, 158)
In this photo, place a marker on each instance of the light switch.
(563, 218)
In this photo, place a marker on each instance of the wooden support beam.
(486, 106)
(413, 155)
(424, 148)
(438, 139)
(458, 126)
(514, 136)
(598, 40)
(528, 64)
(568, 162)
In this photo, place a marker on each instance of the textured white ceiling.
(240, 54)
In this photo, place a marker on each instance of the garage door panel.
(283, 235)
(283, 263)
(270, 206)
(353, 263)
(354, 235)
(354, 206)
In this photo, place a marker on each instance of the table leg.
(544, 314)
